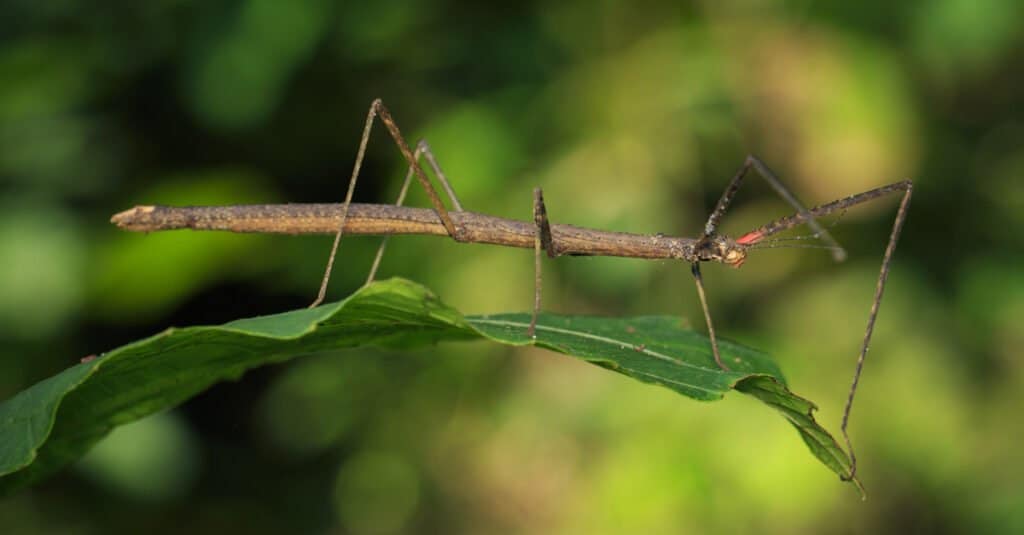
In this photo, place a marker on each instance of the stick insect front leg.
(753, 237)
(699, 281)
(838, 253)
(377, 108)
(711, 228)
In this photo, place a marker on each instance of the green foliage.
(56, 421)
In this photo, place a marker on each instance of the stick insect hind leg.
(711, 229)
(753, 237)
(377, 108)
(422, 150)
(543, 236)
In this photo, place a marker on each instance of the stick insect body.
(540, 235)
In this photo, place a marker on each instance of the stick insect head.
(722, 249)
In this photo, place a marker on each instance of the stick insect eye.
(735, 257)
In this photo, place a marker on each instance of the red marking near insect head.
(750, 238)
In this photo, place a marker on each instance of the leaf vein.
(599, 338)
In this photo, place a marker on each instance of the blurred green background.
(631, 116)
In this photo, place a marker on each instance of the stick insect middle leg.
(542, 240)
(377, 108)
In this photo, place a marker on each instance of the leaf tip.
(860, 486)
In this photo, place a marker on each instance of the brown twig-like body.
(386, 219)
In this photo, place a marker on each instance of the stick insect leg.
(422, 150)
(699, 280)
(883, 275)
(432, 160)
(377, 108)
(711, 227)
(785, 223)
(838, 253)
(541, 240)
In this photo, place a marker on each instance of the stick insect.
(555, 240)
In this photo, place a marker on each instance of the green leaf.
(54, 422)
